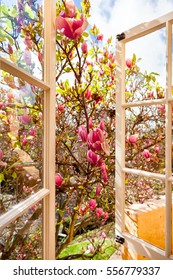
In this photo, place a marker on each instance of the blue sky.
(115, 16)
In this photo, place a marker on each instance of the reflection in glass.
(22, 239)
(145, 209)
(146, 67)
(21, 34)
(145, 138)
(21, 140)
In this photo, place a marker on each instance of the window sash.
(132, 241)
(47, 194)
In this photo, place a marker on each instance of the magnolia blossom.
(100, 37)
(129, 63)
(146, 154)
(88, 94)
(98, 189)
(61, 108)
(95, 138)
(103, 234)
(102, 125)
(28, 42)
(25, 119)
(84, 47)
(1, 154)
(105, 215)
(58, 179)
(90, 249)
(93, 158)
(70, 8)
(82, 131)
(99, 212)
(92, 204)
(24, 141)
(104, 173)
(133, 138)
(72, 28)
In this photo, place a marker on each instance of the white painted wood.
(20, 208)
(20, 73)
(137, 245)
(49, 129)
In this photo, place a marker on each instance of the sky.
(115, 16)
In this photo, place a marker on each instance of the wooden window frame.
(141, 247)
(47, 194)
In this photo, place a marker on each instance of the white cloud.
(114, 17)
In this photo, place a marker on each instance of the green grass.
(81, 242)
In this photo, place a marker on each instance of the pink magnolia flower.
(95, 138)
(88, 94)
(72, 28)
(82, 131)
(24, 141)
(92, 204)
(84, 47)
(90, 123)
(146, 154)
(90, 249)
(27, 57)
(102, 125)
(40, 57)
(58, 180)
(133, 138)
(61, 108)
(25, 119)
(24, 188)
(70, 8)
(93, 158)
(100, 37)
(10, 49)
(99, 212)
(104, 173)
(161, 109)
(32, 131)
(98, 189)
(129, 63)
(103, 234)
(1, 154)
(28, 42)
(157, 149)
(1, 105)
(105, 215)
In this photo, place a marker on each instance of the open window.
(27, 130)
(144, 177)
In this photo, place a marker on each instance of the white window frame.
(137, 245)
(48, 85)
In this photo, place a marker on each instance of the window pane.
(21, 34)
(22, 239)
(145, 209)
(146, 67)
(145, 138)
(21, 140)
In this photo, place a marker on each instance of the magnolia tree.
(85, 129)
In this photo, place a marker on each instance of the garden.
(86, 94)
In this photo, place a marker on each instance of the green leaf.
(1, 177)
(14, 175)
(85, 34)
(29, 11)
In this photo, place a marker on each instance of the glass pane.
(22, 239)
(146, 67)
(21, 140)
(21, 34)
(145, 138)
(145, 209)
